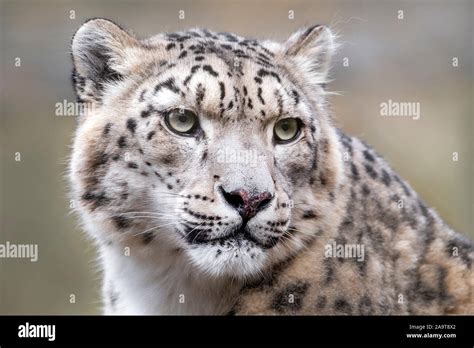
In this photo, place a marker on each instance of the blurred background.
(403, 56)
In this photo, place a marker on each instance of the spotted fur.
(155, 202)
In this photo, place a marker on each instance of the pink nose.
(246, 204)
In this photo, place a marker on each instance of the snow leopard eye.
(286, 130)
(182, 122)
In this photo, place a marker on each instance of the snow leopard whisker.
(301, 231)
(148, 213)
(154, 228)
(187, 234)
(291, 238)
(150, 217)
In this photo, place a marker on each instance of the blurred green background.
(406, 60)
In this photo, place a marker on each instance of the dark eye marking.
(296, 96)
(189, 77)
(150, 109)
(168, 84)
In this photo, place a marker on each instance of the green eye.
(286, 130)
(181, 121)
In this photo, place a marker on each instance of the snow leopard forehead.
(230, 77)
(243, 76)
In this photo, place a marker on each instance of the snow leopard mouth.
(237, 237)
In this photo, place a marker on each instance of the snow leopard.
(208, 170)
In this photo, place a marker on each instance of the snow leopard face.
(204, 143)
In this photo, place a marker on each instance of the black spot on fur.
(204, 156)
(121, 222)
(365, 306)
(150, 135)
(122, 142)
(309, 214)
(296, 96)
(107, 129)
(342, 306)
(386, 178)
(365, 190)
(168, 84)
(141, 98)
(250, 104)
(147, 237)
(259, 94)
(262, 73)
(321, 302)
(329, 268)
(355, 172)
(402, 184)
(222, 88)
(97, 200)
(368, 156)
(146, 113)
(210, 70)
(200, 94)
(170, 46)
(131, 125)
(370, 170)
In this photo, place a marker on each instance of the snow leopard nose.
(247, 205)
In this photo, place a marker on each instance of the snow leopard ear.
(99, 52)
(310, 50)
